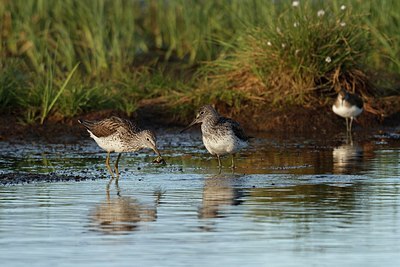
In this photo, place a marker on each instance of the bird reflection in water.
(347, 158)
(219, 192)
(122, 214)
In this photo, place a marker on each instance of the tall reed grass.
(41, 42)
(308, 52)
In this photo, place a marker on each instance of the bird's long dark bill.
(189, 126)
(157, 152)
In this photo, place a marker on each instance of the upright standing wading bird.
(348, 105)
(221, 136)
(119, 135)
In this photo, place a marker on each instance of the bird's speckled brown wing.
(108, 126)
(236, 128)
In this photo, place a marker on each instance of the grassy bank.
(61, 59)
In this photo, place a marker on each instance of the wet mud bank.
(59, 152)
(297, 120)
(28, 178)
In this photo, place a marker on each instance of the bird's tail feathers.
(86, 123)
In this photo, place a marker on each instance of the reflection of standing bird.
(221, 136)
(218, 192)
(346, 158)
(119, 135)
(348, 105)
(120, 214)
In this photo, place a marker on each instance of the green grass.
(51, 94)
(12, 80)
(191, 52)
(309, 51)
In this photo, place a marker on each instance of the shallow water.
(292, 201)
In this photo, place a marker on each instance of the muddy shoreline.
(69, 133)
(15, 178)
(307, 122)
(298, 120)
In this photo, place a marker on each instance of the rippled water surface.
(292, 201)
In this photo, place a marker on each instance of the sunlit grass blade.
(48, 107)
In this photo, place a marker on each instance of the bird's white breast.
(222, 145)
(347, 112)
(110, 143)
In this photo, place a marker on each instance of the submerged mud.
(27, 178)
(78, 158)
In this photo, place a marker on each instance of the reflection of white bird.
(118, 215)
(345, 157)
(218, 192)
(121, 214)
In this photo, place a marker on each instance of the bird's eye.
(147, 139)
(201, 113)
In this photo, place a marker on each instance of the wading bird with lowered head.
(120, 135)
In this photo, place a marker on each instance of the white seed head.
(342, 24)
(342, 7)
(320, 13)
(269, 43)
(295, 3)
(296, 24)
(328, 59)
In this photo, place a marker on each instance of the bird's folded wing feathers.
(108, 126)
(236, 128)
(358, 101)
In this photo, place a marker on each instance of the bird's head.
(148, 140)
(205, 113)
(343, 95)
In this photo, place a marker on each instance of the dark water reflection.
(316, 200)
(292, 201)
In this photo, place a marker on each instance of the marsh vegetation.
(61, 59)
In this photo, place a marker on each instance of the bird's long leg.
(351, 123)
(117, 187)
(233, 161)
(116, 165)
(219, 162)
(351, 139)
(108, 164)
(347, 125)
(108, 188)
